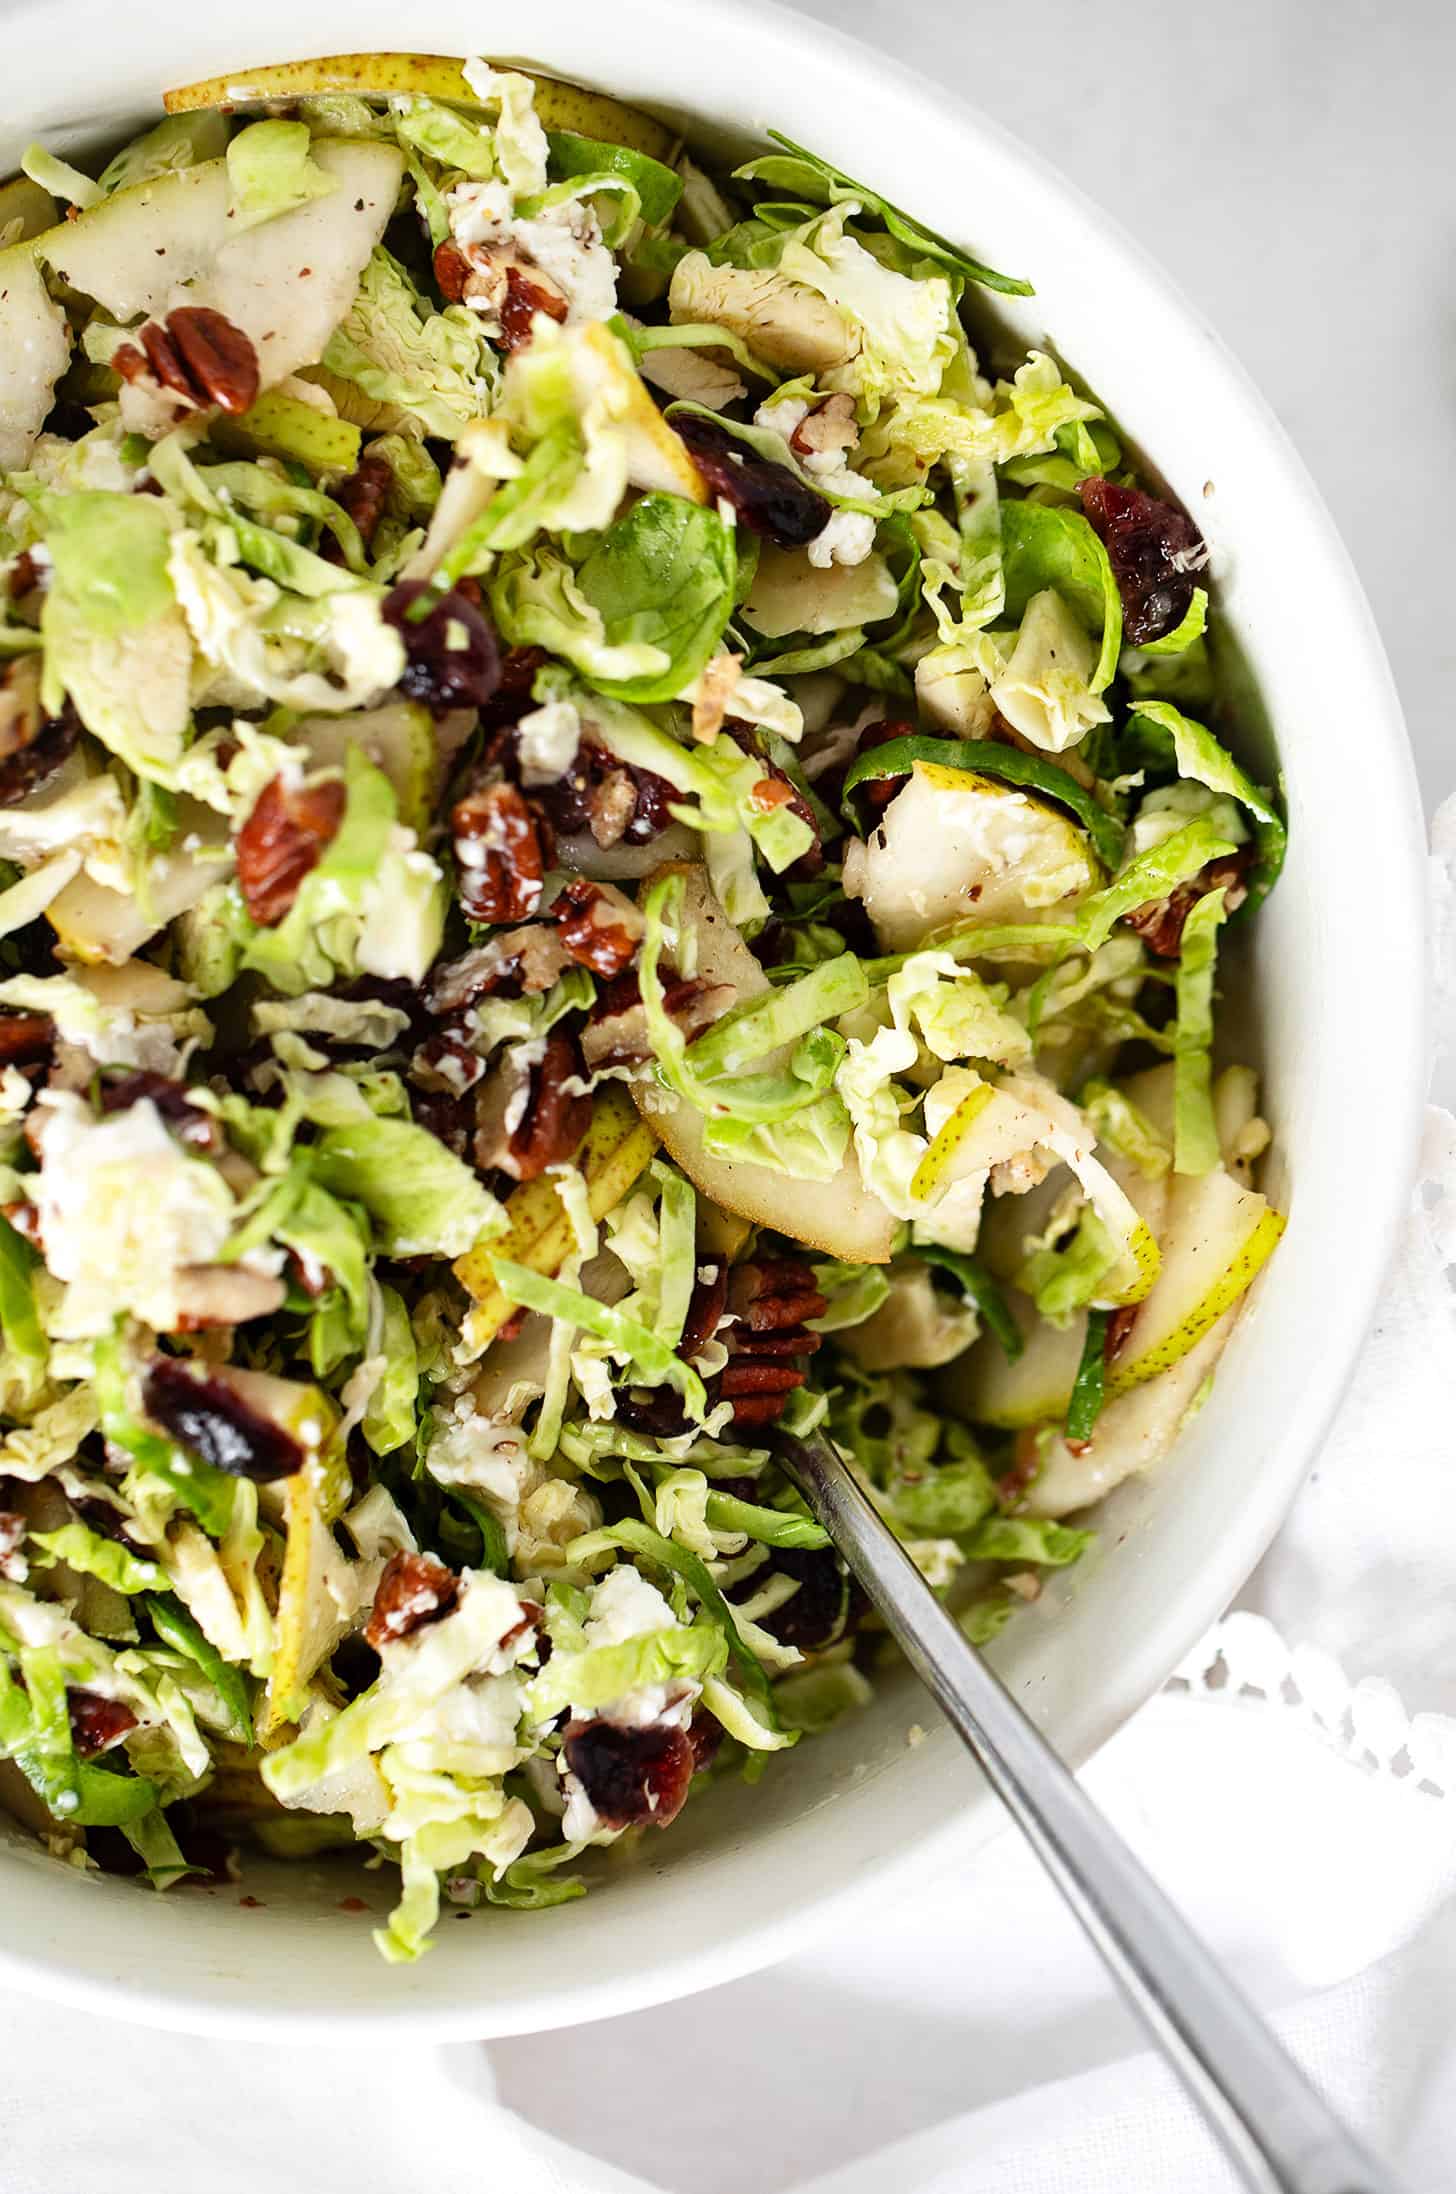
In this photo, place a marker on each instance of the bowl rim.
(1160, 1646)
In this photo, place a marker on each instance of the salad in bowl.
(615, 835)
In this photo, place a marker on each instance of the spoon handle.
(1278, 2132)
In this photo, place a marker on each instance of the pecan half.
(97, 1721)
(197, 354)
(599, 926)
(415, 1589)
(1160, 923)
(283, 838)
(770, 1301)
(502, 844)
(527, 293)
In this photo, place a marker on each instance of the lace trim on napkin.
(1244, 1662)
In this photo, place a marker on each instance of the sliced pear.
(297, 432)
(316, 1595)
(938, 1166)
(168, 242)
(95, 924)
(657, 458)
(953, 848)
(398, 738)
(560, 106)
(1133, 1434)
(1008, 1222)
(986, 1387)
(789, 594)
(916, 1328)
(1217, 1237)
(35, 344)
(539, 1235)
(25, 211)
(839, 1218)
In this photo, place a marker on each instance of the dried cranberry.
(1153, 549)
(363, 497)
(415, 1589)
(453, 660)
(557, 1114)
(524, 298)
(631, 1775)
(767, 498)
(29, 766)
(210, 1418)
(97, 1721)
(187, 1120)
(827, 1604)
(599, 928)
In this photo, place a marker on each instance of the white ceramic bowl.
(1338, 1026)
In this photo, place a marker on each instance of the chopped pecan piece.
(616, 1031)
(448, 1061)
(827, 430)
(1119, 1326)
(502, 845)
(502, 283)
(12, 1536)
(553, 1120)
(520, 963)
(631, 1776)
(283, 838)
(1160, 924)
(97, 1721)
(198, 355)
(415, 1589)
(25, 1038)
(706, 1306)
(599, 926)
(452, 271)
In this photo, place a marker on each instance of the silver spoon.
(1278, 2133)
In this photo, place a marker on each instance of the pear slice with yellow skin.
(1133, 1433)
(25, 211)
(948, 1140)
(296, 432)
(1218, 1236)
(657, 458)
(311, 1617)
(428, 76)
(838, 1218)
(539, 1234)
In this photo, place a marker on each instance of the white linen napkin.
(1294, 1788)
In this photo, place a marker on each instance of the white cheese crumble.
(123, 1211)
(564, 241)
(548, 739)
(846, 538)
